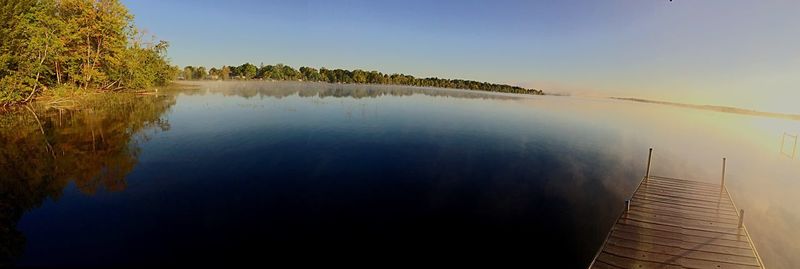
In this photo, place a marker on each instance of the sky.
(724, 52)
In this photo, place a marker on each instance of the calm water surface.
(253, 171)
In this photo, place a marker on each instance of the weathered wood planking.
(678, 223)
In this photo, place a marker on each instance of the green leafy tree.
(325, 75)
(88, 44)
(28, 52)
(101, 34)
(142, 67)
(248, 71)
(359, 76)
(310, 74)
(268, 72)
(290, 73)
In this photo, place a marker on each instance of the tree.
(269, 72)
(375, 77)
(189, 72)
(290, 73)
(310, 74)
(225, 73)
(359, 76)
(28, 51)
(325, 74)
(247, 71)
(9, 10)
(200, 73)
(214, 73)
(142, 67)
(88, 44)
(101, 36)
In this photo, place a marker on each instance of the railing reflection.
(790, 141)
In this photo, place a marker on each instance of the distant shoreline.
(281, 72)
(723, 109)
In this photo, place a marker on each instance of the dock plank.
(666, 200)
(602, 265)
(677, 239)
(684, 181)
(624, 262)
(687, 192)
(711, 195)
(677, 186)
(685, 222)
(677, 244)
(668, 205)
(684, 212)
(685, 200)
(679, 260)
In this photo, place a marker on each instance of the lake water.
(225, 172)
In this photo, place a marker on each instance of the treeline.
(284, 72)
(75, 45)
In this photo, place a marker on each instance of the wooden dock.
(678, 223)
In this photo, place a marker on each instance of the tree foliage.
(284, 72)
(85, 44)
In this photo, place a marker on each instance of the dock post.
(627, 206)
(722, 182)
(649, 158)
(741, 217)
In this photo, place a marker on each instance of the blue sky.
(729, 52)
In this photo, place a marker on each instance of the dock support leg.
(627, 206)
(722, 182)
(741, 217)
(649, 158)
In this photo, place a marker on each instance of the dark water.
(233, 172)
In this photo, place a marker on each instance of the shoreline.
(72, 100)
(354, 83)
(722, 109)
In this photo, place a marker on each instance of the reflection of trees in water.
(42, 150)
(318, 89)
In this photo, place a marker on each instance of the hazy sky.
(729, 52)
